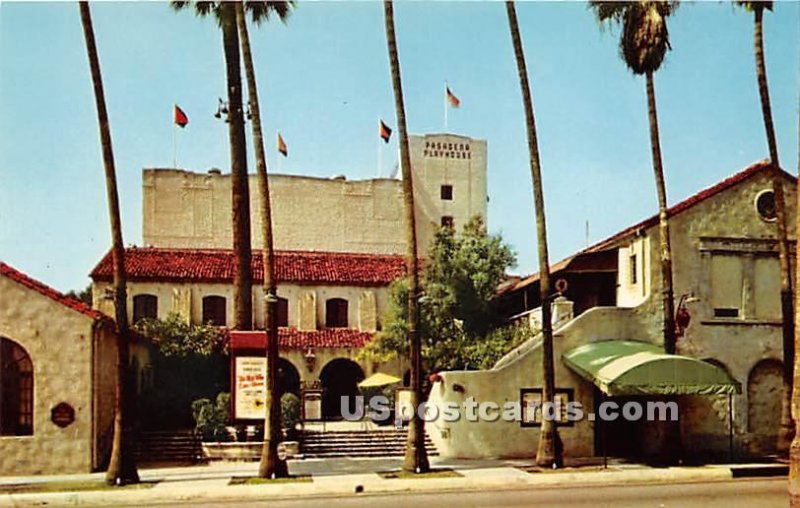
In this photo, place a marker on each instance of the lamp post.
(223, 109)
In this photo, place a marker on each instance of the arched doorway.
(339, 378)
(764, 396)
(288, 377)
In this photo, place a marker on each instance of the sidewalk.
(207, 483)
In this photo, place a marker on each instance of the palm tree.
(549, 451)
(787, 305)
(240, 193)
(416, 457)
(122, 465)
(643, 44)
(271, 465)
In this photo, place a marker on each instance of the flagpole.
(174, 144)
(445, 106)
(380, 151)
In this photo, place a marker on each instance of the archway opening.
(288, 378)
(764, 396)
(339, 378)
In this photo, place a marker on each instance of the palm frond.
(752, 6)
(263, 10)
(179, 5)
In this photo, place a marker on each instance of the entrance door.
(339, 378)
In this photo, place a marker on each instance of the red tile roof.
(292, 338)
(682, 206)
(41, 288)
(217, 265)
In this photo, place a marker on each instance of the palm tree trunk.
(240, 194)
(270, 466)
(794, 449)
(665, 251)
(122, 465)
(786, 431)
(549, 453)
(672, 445)
(416, 457)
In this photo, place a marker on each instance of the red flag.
(451, 98)
(282, 146)
(180, 117)
(384, 131)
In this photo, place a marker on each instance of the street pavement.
(482, 483)
(723, 494)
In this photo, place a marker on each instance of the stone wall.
(59, 343)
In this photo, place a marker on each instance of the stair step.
(366, 443)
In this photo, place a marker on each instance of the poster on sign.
(251, 387)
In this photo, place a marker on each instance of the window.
(16, 390)
(336, 313)
(765, 205)
(633, 270)
(214, 310)
(726, 285)
(283, 312)
(447, 221)
(447, 192)
(145, 306)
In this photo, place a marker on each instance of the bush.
(211, 419)
(290, 413)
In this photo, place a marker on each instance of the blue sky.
(324, 81)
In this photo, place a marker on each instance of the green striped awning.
(624, 367)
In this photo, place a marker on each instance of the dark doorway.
(619, 438)
(339, 378)
(288, 378)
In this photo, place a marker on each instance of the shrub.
(290, 413)
(211, 419)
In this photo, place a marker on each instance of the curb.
(372, 484)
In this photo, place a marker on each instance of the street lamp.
(223, 109)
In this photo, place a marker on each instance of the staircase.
(168, 446)
(355, 443)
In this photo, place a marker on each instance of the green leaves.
(459, 324)
(211, 419)
(175, 337)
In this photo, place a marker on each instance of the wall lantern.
(682, 315)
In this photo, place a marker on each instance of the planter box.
(244, 451)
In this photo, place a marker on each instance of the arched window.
(16, 390)
(145, 306)
(282, 319)
(336, 313)
(214, 310)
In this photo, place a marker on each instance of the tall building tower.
(184, 209)
(449, 173)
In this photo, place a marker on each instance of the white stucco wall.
(168, 301)
(482, 439)
(193, 210)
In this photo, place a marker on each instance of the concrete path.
(210, 483)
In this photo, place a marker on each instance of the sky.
(324, 82)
